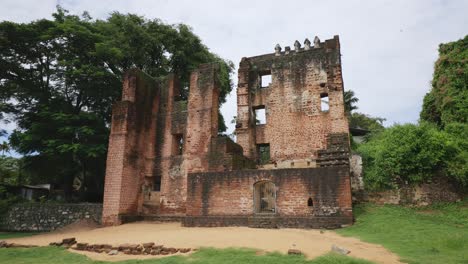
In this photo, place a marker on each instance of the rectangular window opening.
(157, 184)
(324, 102)
(260, 115)
(263, 153)
(178, 145)
(265, 79)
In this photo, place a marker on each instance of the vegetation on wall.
(447, 101)
(59, 78)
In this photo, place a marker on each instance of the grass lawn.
(6, 235)
(432, 234)
(54, 255)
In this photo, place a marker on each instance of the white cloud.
(388, 47)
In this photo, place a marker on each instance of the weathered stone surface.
(148, 245)
(128, 246)
(70, 240)
(156, 251)
(184, 250)
(113, 252)
(340, 250)
(294, 252)
(81, 246)
(47, 216)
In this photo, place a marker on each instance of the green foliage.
(434, 234)
(360, 120)
(447, 101)
(9, 170)
(52, 255)
(59, 78)
(457, 166)
(7, 200)
(350, 101)
(408, 154)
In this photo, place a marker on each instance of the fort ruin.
(289, 167)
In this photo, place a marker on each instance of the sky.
(388, 47)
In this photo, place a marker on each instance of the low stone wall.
(47, 216)
(418, 195)
(439, 190)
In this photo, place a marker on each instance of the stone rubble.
(149, 248)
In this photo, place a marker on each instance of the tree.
(59, 78)
(363, 121)
(447, 101)
(360, 120)
(4, 147)
(350, 101)
(9, 170)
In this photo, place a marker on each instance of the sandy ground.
(311, 242)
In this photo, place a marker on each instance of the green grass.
(54, 255)
(7, 235)
(433, 234)
(429, 235)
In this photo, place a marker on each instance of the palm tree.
(4, 147)
(350, 101)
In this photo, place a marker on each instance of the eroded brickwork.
(297, 125)
(167, 161)
(229, 195)
(131, 146)
(157, 139)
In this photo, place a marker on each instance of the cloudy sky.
(388, 47)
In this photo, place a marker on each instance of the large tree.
(59, 78)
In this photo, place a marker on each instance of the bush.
(7, 200)
(457, 166)
(414, 154)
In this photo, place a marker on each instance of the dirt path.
(311, 242)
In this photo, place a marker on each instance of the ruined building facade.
(289, 167)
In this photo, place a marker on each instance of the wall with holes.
(232, 193)
(302, 99)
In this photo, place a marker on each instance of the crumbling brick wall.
(225, 195)
(157, 139)
(131, 142)
(296, 126)
(166, 158)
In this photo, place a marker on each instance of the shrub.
(413, 154)
(457, 166)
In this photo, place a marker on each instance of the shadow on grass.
(7, 235)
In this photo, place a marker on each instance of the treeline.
(60, 77)
(435, 147)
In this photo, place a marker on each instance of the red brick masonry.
(166, 159)
(223, 199)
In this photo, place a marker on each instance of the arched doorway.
(264, 197)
